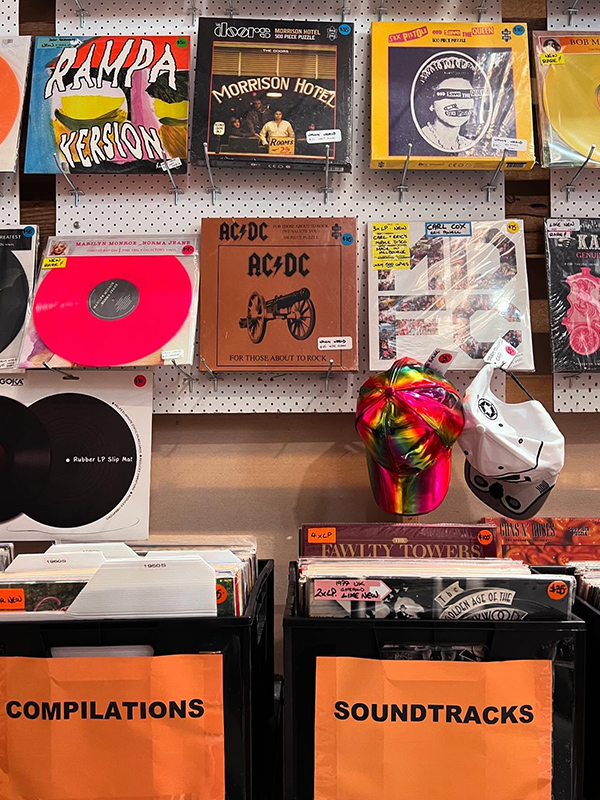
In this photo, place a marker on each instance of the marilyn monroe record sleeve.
(458, 92)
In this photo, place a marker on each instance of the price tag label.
(322, 535)
(441, 360)
(54, 262)
(390, 245)
(501, 354)
(12, 600)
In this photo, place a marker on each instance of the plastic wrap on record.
(548, 541)
(573, 268)
(507, 598)
(440, 284)
(14, 61)
(136, 298)
(458, 92)
(274, 94)
(18, 255)
(567, 65)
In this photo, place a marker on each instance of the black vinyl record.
(14, 292)
(93, 461)
(24, 457)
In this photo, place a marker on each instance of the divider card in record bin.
(544, 541)
(458, 93)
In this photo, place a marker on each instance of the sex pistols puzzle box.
(273, 94)
(278, 295)
(457, 92)
(109, 104)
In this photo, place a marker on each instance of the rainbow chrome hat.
(409, 417)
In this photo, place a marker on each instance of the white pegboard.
(9, 182)
(142, 204)
(577, 392)
(586, 16)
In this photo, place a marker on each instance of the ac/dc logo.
(236, 231)
(267, 264)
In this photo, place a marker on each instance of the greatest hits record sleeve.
(76, 456)
(573, 267)
(567, 66)
(278, 295)
(273, 94)
(446, 284)
(458, 92)
(18, 254)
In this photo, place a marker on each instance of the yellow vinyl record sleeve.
(458, 92)
(567, 67)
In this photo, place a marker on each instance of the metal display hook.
(191, 380)
(232, 11)
(214, 377)
(481, 9)
(343, 10)
(570, 187)
(403, 184)
(82, 13)
(174, 190)
(194, 11)
(327, 377)
(327, 189)
(77, 193)
(67, 376)
(214, 190)
(571, 11)
(381, 10)
(493, 184)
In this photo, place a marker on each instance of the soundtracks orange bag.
(433, 730)
(119, 728)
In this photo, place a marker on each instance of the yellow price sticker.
(513, 227)
(390, 247)
(552, 58)
(54, 262)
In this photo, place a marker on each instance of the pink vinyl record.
(105, 311)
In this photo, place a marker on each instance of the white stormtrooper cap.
(514, 452)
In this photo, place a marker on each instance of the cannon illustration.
(583, 317)
(296, 308)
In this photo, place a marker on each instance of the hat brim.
(410, 493)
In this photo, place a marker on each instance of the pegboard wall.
(577, 392)
(9, 181)
(143, 205)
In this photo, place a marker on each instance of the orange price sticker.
(322, 535)
(485, 537)
(12, 599)
(557, 590)
(222, 594)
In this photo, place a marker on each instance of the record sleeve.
(573, 267)
(18, 255)
(279, 295)
(397, 540)
(14, 61)
(448, 284)
(118, 301)
(109, 104)
(76, 460)
(458, 92)
(566, 67)
(547, 541)
(274, 94)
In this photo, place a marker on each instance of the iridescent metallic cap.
(409, 417)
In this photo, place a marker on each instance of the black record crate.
(248, 669)
(306, 639)
(591, 769)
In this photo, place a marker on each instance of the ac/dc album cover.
(547, 541)
(448, 284)
(278, 295)
(106, 302)
(573, 265)
(567, 66)
(458, 92)
(397, 540)
(14, 61)
(274, 94)
(18, 254)
(76, 456)
(109, 104)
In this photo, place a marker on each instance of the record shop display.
(548, 541)
(14, 61)
(279, 295)
(445, 589)
(573, 264)
(567, 66)
(76, 456)
(448, 284)
(18, 254)
(114, 302)
(109, 104)
(458, 92)
(274, 94)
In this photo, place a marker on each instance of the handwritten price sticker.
(322, 535)
(345, 590)
(12, 599)
(557, 590)
(485, 537)
(222, 594)
(54, 262)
